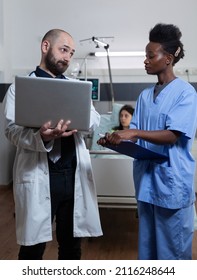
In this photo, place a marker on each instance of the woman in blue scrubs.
(164, 120)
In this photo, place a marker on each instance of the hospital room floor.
(119, 241)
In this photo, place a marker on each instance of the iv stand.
(106, 47)
(110, 77)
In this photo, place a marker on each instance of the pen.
(101, 135)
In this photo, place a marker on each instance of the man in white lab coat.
(44, 187)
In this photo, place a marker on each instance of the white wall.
(7, 152)
(23, 23)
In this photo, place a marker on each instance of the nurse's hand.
(103, 140)
(109, 138)
(60, 130)
(125, 134)
(118, 136)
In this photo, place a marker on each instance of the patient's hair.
(168, 35)
(127, 108)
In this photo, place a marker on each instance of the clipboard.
(135, 151)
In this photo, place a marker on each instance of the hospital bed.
(114, 180)
(112, 171)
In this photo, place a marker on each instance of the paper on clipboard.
(135, 151)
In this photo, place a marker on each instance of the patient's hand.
(60, 130)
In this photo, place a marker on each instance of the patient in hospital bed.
(125, 116)
(119, 119)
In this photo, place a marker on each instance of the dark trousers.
(62, 203)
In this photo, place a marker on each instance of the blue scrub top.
(170, 183)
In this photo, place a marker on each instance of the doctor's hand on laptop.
(60, 130)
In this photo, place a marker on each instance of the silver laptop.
(39, 100)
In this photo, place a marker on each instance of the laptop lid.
(39, 100)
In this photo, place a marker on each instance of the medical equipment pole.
(106, 47)
(110, 77)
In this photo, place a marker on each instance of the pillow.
(115, 114)
(104, 126)
(106, 123)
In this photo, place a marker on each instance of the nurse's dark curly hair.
(168, 35)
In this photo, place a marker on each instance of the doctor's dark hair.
(168, 35)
